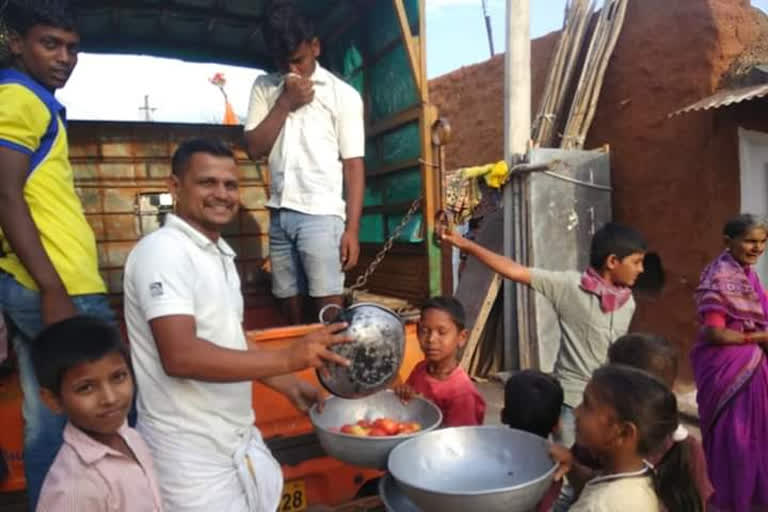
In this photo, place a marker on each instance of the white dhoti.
(192, 479)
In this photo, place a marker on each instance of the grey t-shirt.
(586, 331)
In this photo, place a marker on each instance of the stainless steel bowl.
(376, 352)
(393, 497)
(492, 468)
(369, 451)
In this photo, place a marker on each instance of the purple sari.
(732, 386)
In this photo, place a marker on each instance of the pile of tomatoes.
(380, 427)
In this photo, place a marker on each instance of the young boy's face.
(439, 336)
(96, 396)
(47, 54)
(302, 61)
(624, 272)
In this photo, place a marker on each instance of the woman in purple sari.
(731, 369)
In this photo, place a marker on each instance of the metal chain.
(362, 279)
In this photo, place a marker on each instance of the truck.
(378, 46)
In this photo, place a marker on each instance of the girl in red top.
(439, 377)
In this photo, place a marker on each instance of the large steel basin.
(393, 497)
(489, 469)
(369, 451)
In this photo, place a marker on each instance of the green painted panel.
(412, 231)
(399, 145)
(374, 193)
(383, 26)
(392, 88)
(372, 228)
(401, 186)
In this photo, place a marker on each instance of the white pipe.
(517, 133)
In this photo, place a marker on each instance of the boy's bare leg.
(292, 309)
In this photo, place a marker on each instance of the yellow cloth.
(26, 111)
(495, 175)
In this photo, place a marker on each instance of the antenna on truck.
(487, 16)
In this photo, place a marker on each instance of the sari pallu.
(732, 384)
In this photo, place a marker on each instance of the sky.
(113, 86)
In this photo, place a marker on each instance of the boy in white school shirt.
(310, 125)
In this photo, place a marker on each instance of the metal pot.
(371, 452)
(393, 498)
(376, 352)
(489, 468)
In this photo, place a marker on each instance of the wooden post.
(408, 40)
(415, 47)
(517, 132)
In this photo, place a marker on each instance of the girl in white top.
(627, 415)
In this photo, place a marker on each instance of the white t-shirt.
(305, 161)
(618, 493)
(178, 271)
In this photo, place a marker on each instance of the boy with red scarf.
(594, 307)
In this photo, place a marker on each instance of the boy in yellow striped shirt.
(48, 258)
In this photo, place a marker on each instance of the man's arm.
(301, 393)
(22, 235)
(354, 183)
(297, 92)
(504, 266)
(261, 139)
(184, 355)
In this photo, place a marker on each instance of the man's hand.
(564, 459)
(304, 395)
(445, 233)
(350, 249)
(297, 92)
(55, 306)
(311, 350)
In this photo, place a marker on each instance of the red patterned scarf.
(728, 288)
(612, 297)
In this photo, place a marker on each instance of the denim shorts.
(305, 253)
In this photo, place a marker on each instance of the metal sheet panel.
(725, 98)
(560, 212)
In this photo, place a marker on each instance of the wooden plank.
(403, 117)
(388, 209)
(480, 320)
(397, 166)
(477, 281)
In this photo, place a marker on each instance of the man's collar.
(11, 75)
(320, 76)
(87, 448)
(202, 241)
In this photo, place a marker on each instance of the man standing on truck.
(310, 124)
(48, 258)
(193, 365)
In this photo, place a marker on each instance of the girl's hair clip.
(680, 435)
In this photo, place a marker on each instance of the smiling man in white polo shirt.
(193, 365)
(310, 124)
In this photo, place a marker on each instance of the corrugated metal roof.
(725, 98)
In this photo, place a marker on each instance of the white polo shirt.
(176, 270)
(305, 161)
